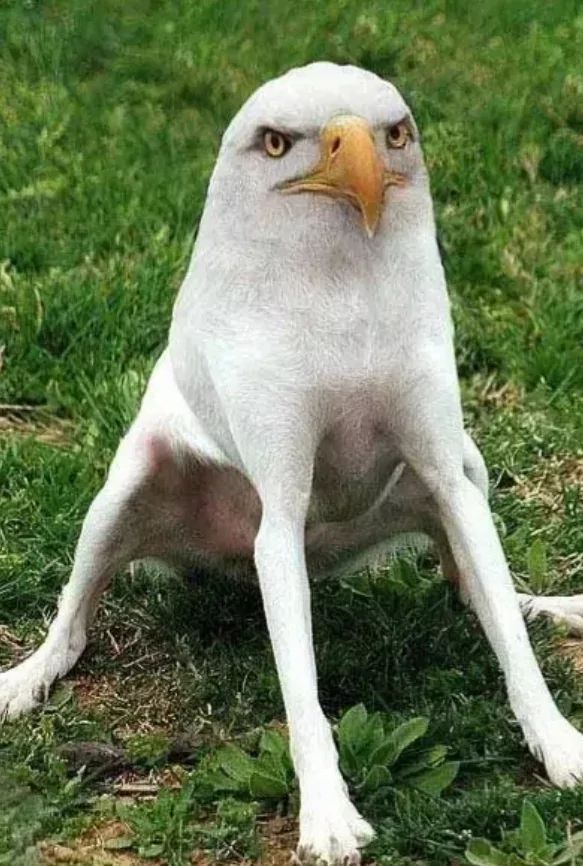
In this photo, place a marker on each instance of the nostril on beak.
(335, 146)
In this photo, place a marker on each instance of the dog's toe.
(561, 750)
(17, 694)
(332, 833)
(26, 686)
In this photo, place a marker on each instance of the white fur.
(316, 366)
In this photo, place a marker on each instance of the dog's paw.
(561, 750)
(21, 689)
(331, 832)
(563, 610)
(28, 684)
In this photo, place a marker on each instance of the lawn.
(111, 113)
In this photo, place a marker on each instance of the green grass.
(110, 118)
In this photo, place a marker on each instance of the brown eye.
(398, 135)
(275, 143)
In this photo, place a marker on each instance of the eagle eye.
(275, 143)
(398, 135)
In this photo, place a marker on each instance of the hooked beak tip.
(349, 168)
(370, 210)
(370, 225)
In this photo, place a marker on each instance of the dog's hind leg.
(435, 453)
(563, 610)
(149, 506)
(475, 471)
(111, 536)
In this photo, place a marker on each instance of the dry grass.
(547, 484)
(27, 421)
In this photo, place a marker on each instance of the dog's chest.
(354, 460)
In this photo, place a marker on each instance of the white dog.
(306, 411)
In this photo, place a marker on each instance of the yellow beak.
(350, 169)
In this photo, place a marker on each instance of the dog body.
(306, 411)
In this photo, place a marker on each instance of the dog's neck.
(312, 250)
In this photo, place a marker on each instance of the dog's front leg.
(330, 827)
(277, 450)
(432, 442)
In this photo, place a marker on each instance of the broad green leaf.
(436, 755)
(236, 763)
(424, 760)
(512, 839)
(219, 781)
(435, 780)
(481, 853)
(119, 843)
(404, 735)
(267, 787)
(533, 834)
(377, 777)
(371, 736)
(350, 726)
(276, 744)
(272, 742)
(271, 765)
(349, 763)
(385, 752)
(536, 560)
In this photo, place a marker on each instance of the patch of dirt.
(130, 677)
(133, 705)
(96, 847)
(278, 841)
(279, 838)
